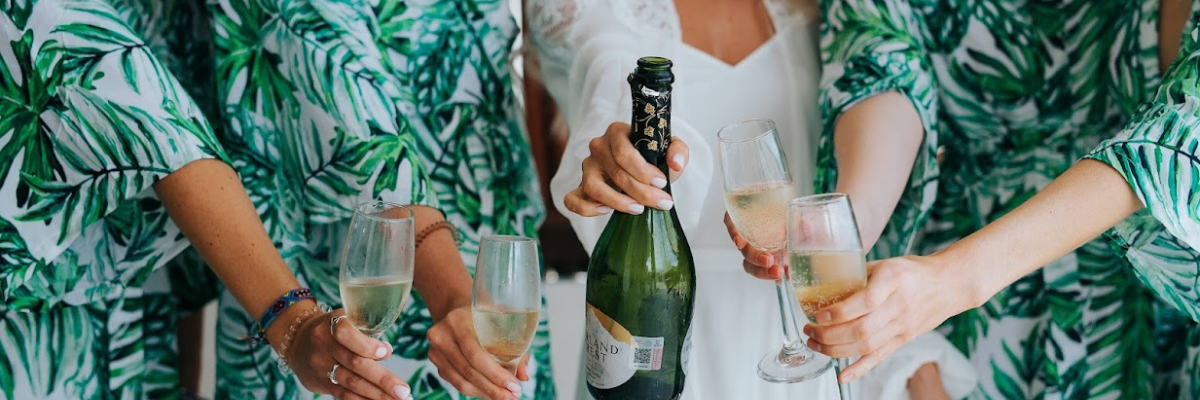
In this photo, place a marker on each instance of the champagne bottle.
(641, 280)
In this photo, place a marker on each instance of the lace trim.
(552, 26)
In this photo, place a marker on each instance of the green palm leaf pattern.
(95, 119)
(1015, 93)
(329, 103)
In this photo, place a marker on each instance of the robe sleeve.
(584, 61)
(869, 47)
(1158, 154)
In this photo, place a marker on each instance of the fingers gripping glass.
(757, 190)
(507, 296)
(377, 265)
(826, 256)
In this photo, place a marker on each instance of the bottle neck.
(651, 125)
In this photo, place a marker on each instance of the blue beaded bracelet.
(276, 309)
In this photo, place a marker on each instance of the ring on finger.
(332, 378)
(333, 324)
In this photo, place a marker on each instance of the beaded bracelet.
(283, 352)
(443, 224)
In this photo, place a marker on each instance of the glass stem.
(839, 365)
(792, 344)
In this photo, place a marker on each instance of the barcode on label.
(647, 353)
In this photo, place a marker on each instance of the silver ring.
(333, 324)
(331, 372)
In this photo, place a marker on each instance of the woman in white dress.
(733, 59)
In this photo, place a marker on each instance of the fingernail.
(389, 345)
(665, 204)
(514, 388)
(603, 210)
(636, 208)
(808, 331)
(823, 317)
(380, 352)
(764, 260)
(401, 391)
(678, 159)
(659, 182)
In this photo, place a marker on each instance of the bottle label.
(614, 355)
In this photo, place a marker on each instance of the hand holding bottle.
(616, 177)
(460, 360)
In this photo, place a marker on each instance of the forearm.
(876, 143)
(440, 277)
(1081, 204)
(210, 206)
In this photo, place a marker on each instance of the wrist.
(281, 331)
(954, 269)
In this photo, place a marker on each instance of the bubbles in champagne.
(374, 304)
(759, 211)
(505, 334)
(823, 278)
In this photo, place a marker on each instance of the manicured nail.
(636, 209)
(823, 317)
(401, 391)
(808, 331)
(603, 210)
(389, 345)
(665, 204)
(764, 260)
(678, 159)
(514, 388)
(380, 352)
(659, 182)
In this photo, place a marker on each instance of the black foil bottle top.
(650, 84)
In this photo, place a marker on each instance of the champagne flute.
(506, 297)
(377, 266)
(757, 190)
(826, 256)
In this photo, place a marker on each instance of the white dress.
(586, 48)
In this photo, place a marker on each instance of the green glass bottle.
(641, 280)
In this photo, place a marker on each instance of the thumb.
(523, 368)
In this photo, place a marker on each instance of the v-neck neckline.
(776, 31)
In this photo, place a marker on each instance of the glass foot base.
(791, 368)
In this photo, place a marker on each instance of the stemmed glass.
(757, 190)
(826, 256)
(377, 265)
(507, 296)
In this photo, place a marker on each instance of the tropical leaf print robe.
(89, 120)
(1016, 92)
(333, 102)
(321, 105)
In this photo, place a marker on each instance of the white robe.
(586, 48)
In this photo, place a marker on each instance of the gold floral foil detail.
(662, 123)
(649, 131)
(649, 108)
(653, 145)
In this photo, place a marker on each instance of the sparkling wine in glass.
(758, 188)
(506, 297)
(825, 255)
(377, 266)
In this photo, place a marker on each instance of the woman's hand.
(324, 342)
(460, 359)
(757, 263)
(615, 164)
(905, 297)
